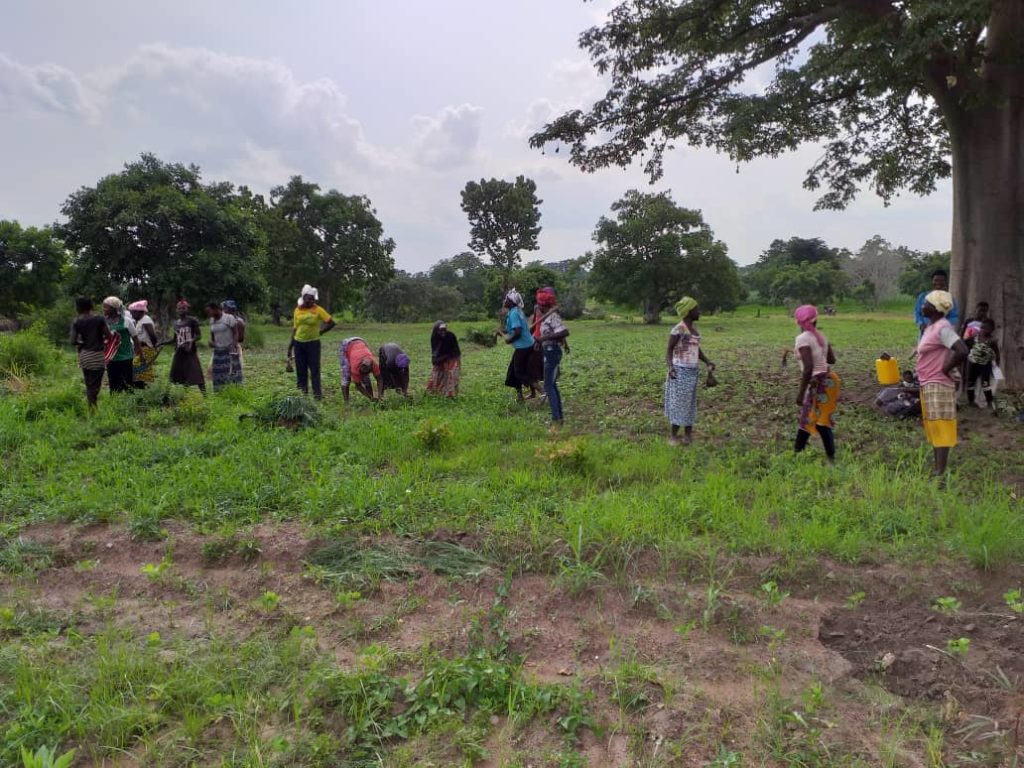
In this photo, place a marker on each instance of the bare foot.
(687, 439)
(673, 440)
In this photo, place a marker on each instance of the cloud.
(450, 140)
(44, 88)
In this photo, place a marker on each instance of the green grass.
(387, 490)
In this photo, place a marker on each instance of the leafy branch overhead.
(878, 83)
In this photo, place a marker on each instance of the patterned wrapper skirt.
(820, 402)
(223, 372)
(681, 397)
(444, 378)
(142, 365)
(938, 414)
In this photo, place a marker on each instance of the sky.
(401, 100)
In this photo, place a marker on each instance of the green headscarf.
(684, 305)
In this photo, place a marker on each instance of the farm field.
(450, 583)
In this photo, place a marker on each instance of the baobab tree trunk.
(988, 193)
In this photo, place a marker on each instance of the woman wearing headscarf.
(682, 358)
(357, 363)
(89, 335)
(224, 341)
(186, 369)
(310, 321)
(551, 334)
(939, 355)
(394, 367)
(446, 361)
(119, 366)
(143, 372)
(819, 385)
(230, 307)
(517, 334)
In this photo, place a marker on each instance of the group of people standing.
(123, 343)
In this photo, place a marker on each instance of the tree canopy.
(155, 230)
(328, 239)
(654, 251)
(504, 219)
(31, 261)
(802, 270)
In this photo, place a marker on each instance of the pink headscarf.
(139, 306)
(805, 317)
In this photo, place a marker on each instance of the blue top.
(922, 321)
(516, 319)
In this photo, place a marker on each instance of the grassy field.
(448, 583)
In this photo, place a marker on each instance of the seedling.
(156, 571)
(1014, 600)
(855, 599)
(772, 594)
(958, 647)
(949, 606)
(46, 757)
(268, 601)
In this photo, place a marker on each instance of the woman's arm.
(328, 325)
(673, 339)
(291, 344)
(704, 359)
(995, 351)
(959, 350)
(805, 375)
(830, 356)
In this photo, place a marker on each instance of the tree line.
(158, 230)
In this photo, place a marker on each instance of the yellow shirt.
(306, 322)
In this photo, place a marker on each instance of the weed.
(433, 434)
(348, 566)
(291, 411)
(21, 556)
(1014, 599)
(949, 606)
(726, 759)
(46, 757)
(854, 600)
(575, 574)
(959, 647)
(452, 560)
(771, 593)
(268, 602)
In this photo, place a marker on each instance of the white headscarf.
(514, 296)
(308, 290)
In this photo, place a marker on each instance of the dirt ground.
(854, 633)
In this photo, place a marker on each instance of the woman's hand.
(672, 374)
(800, 399)
(711, 366)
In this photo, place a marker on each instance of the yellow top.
(306, 322)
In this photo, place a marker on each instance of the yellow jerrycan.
(888, 371)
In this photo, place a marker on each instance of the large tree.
(504, 219)
(31, 261)
(899, 93)
(330, 240)
(155, 231)
(654, 251)
(797, 270)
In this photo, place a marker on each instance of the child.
(984, 352)
(972, 325)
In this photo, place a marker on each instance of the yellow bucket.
(888, 371)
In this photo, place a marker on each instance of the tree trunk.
(988, 227)
(652, 312)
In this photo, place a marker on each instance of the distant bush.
(55, 322)
(25, 353)
(255, 336)
(485, 338)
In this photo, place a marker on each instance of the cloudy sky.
(401, 100)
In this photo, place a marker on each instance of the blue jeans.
(552, 360)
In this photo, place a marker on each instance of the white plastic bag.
(997, 376)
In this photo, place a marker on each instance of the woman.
(551, 334)
(89, 335)
(230, 307)
(819, 385)
(119, 367)
(310, 321)
(939, 355)
(446, 359)
(394, 367)
(357, 363)
(143, 372)
(224, 341)
(186, 369)
(682, 358)
(518, 335)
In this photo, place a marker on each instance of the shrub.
(255, 336)
(566, 456)
(192, 410)
(54, 323)
(294, 411)
(25, 352)
(66, 399)
(484, 338)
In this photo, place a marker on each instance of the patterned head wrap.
(230, 305)
(183, 305)
(805, 317)
(684, 305)
(941, 300)
(515, 297)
